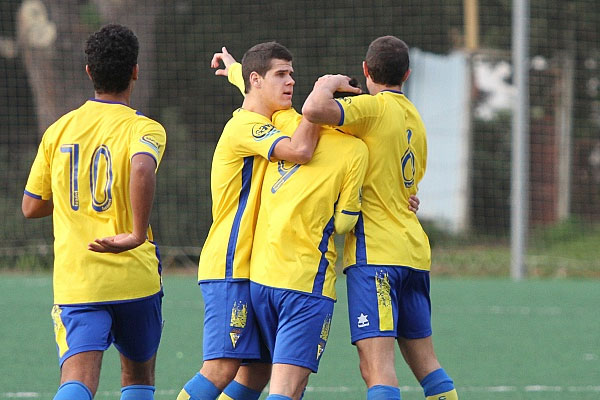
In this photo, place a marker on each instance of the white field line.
(345, 389)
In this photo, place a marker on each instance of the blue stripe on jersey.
(273, 146)
(235, 229)
(342, 111)
(35, 196)
(323, 246)
(351, 212)
(157, 257)
(393, 91)
(361, 246)
(146, 153)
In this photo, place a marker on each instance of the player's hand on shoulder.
(116, 244)
(336, 83)
(224, 57)
(413, 203)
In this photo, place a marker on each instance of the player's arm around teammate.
(385, 70)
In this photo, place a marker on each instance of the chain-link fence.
(465, 97)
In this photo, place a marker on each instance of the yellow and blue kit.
(293, 243)
(387, 232)
(238, 167)
(83, 165)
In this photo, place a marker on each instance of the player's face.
(278, 85)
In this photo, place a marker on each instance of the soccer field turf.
(498, 340)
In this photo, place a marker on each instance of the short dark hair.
(387, 60)
(111, 55)
(258, 59)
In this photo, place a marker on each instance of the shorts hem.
(374, 334)
(297, 363)
(417, 335)
(81, 349)
(238, 356)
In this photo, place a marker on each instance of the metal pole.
(520, 139)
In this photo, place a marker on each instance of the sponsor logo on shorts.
(363, 321)
(261, 132)
(239, 316)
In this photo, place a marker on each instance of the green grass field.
(498, 339)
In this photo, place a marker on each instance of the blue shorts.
(230, 329)
(388, 301)
(295, 326)
(133, 326)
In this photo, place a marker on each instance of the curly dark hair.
(112, 54)
(387, 60)
(258, 59)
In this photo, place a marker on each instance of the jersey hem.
(319, 296)
(93, 303)
(385, 265)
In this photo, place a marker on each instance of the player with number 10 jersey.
(83, 165)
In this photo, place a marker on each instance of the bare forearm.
(142, 185)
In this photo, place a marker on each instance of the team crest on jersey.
(347, 100)
(150, 142)
(261, 132)
(324, 336)
(239, 316)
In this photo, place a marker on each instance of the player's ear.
(135, 72)
(365, 69)
(406, 75)
(87, 71)
(255, 79)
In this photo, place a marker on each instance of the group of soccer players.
(282, 184)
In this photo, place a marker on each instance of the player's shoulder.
(342, 142)
(248, 123)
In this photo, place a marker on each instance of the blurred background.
(462, 82)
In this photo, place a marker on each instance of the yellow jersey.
(293, 243)
(238, 168)
(83, 165)
(387, 233)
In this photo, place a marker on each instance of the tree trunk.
(51, 35)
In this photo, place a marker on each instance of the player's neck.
(123, 97)
(254, 104)
(375, 88)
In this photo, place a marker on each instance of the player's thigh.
(137, 328)
(81, 328)
(230, 329)
(295, 326)
(372, 307)
(414, 304)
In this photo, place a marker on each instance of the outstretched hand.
(116, 244)
(224, 57)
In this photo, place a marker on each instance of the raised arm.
(141, 187)
(320, 106)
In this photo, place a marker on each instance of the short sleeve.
(149, 137)
(39, 183)
(359, 114)
(234, 75)
(351, 192)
